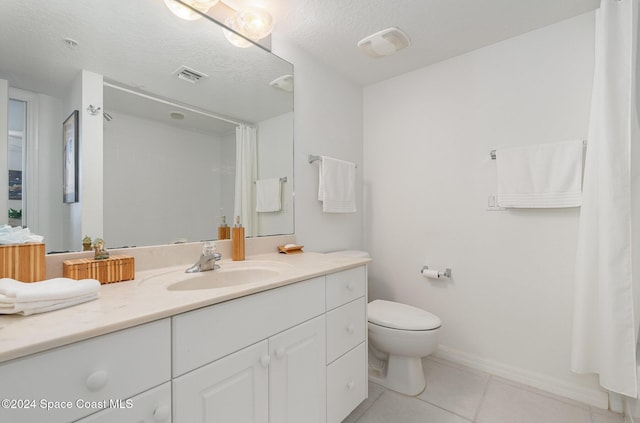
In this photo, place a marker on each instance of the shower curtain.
(246, 173)
(607, 276)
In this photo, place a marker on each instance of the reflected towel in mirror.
(268, 195)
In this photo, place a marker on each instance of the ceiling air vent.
(189, 75)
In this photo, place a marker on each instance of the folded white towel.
(35, 307)
(268, 195)
(336, 187)
(52, 289)
(540, 176)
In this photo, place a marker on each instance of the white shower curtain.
(246, 172)
(606, 278)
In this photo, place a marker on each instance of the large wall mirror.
(162, 155)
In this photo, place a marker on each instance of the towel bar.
(314, 158)
(283, 179)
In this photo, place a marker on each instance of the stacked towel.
(336, 187)
(268, 196)
(540, 176)
(39, 297)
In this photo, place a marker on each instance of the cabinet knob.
(350, 286)
(351, 328)
(351, 385)
(265, 360)
(161, 413)
(97, 380)
(280, 352)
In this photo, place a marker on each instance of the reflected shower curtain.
(246, 172)
(605, 324)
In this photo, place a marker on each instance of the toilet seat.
(401, 316)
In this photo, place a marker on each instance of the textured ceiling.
(138, 44)
(438, 29)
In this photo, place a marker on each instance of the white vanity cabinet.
(291, 354)
(347, 384)
(70, 382)
(152, 406)
(294, 354)
(266, 358)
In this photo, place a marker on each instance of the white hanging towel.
(268, 195)
(540, 176)
(336, 187)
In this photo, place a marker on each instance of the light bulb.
(231, 36)
(254, 23)
(184, 12)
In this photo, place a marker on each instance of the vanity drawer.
(345, 286)
(346, 326)
(110, 367)
(153, 406)
(204, 335)
(346, 383)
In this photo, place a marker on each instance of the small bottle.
(237, 241)
(224, 231)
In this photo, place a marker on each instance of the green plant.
(15, 214)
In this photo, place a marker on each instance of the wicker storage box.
(22, 262)
(113, 269)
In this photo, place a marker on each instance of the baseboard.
(592, 397)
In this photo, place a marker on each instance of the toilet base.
(401, 374)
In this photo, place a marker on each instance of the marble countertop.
(125, 304)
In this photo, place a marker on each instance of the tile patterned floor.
(457, 394)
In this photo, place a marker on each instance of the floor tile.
(603, 416)
(397, 408)
(506, 403)
(374, 393)
(454, 388)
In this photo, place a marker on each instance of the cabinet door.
(232, 389)
(297, 374)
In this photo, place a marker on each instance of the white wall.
(154, 179)
(328, 121)
(275, 150)
(50, 205)
(427, 138)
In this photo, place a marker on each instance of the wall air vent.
(189, 75)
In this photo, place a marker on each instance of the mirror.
(158, 160)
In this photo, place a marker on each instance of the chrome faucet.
(207, 259)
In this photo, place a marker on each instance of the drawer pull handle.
(351, 385)
(97, 380)
(161, 413)
(351, 328)
(265, 360)
(350, 286)
(280, 352)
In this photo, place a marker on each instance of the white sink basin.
(229, 274)
(222, 277)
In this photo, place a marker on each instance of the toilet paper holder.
(446, 273)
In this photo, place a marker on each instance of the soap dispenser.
(224, 231)
(237, 241)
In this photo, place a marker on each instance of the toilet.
(400, 335)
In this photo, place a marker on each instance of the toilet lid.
(401, 316)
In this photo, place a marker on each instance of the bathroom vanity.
(286, 346)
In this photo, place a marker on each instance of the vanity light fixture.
(233, 37)
(253, 23)
(184, 12)
(384, 43)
